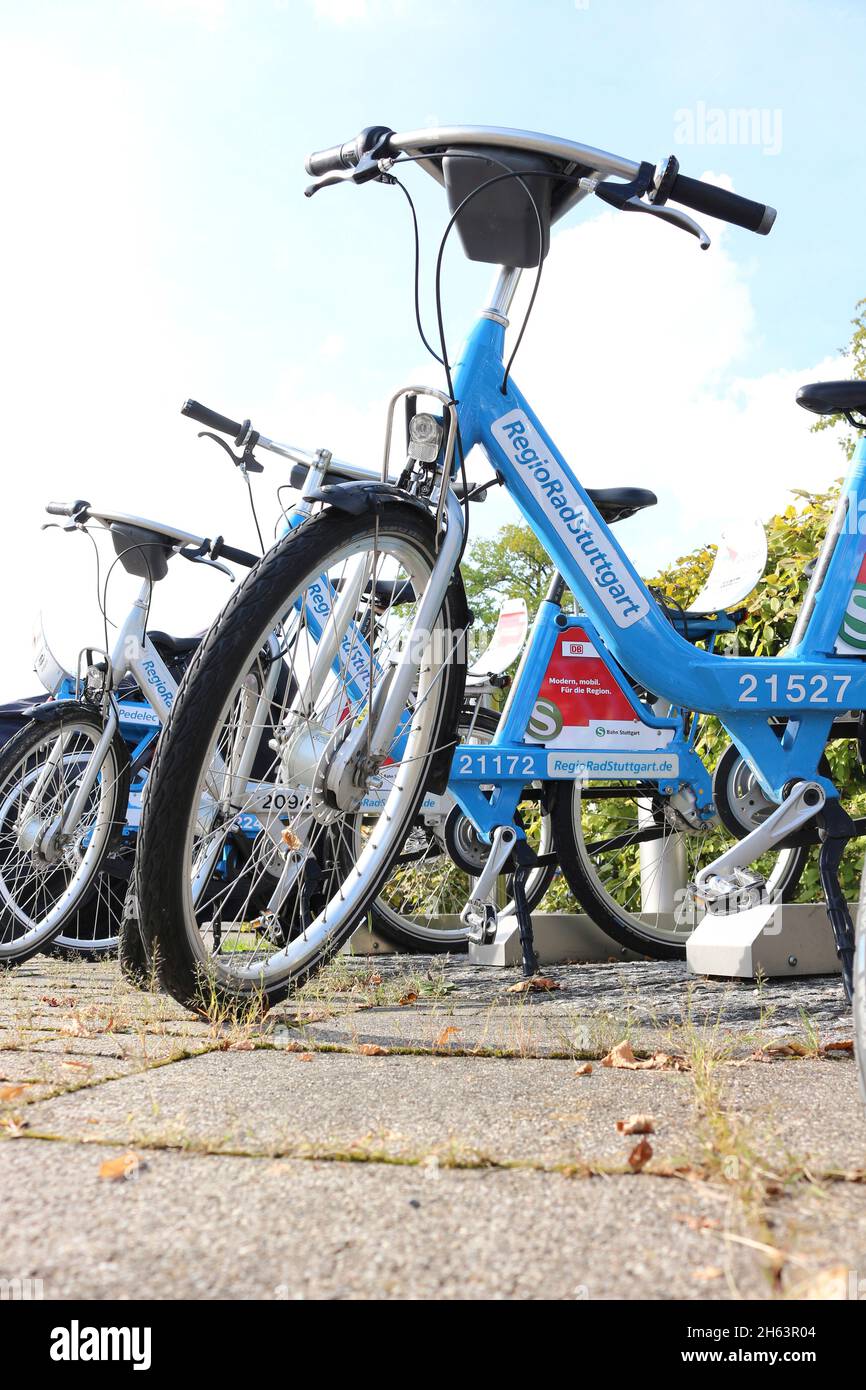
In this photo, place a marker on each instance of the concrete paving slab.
(192, 1227)
(271, 1102)
(193, 1221)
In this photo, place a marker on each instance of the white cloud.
(92, 363)
(635, 361)
(209, 13)
(360, 11)
(340, 11)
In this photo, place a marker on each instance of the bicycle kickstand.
(524, 859)
(836, 828)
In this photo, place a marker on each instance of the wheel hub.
(463, 843)
(741, 801)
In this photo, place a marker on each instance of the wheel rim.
(37, 896)
(640, 866)
(261, 952)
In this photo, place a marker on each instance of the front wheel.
(50, 866)
(244, 890)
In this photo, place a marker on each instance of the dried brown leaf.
(620, 1056)
(535, 984)
(122, 1168)
(11, 1092)
(829, 1284)
(699, 1223)
(446, 1035)
(585, 1069)
(372, 1050)
(707, 1272)
(637, 1124)
(640, 1155)
(623, 1058)
(14, 1125)
(409, 998)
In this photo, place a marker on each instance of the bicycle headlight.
(425, 438)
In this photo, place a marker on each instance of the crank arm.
(479, 914)
(727, 875)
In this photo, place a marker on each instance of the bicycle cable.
(444, 360)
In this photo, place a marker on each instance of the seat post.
(502, 294)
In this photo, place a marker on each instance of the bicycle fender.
(362, 496)
(49, 709)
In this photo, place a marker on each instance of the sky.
(156, 245)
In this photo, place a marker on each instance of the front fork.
(74, 808)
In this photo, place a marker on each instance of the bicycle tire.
(222, 660)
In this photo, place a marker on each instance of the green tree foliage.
(794, 538)
(514, 564)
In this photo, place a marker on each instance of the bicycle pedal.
(725, 897)
(480, 922)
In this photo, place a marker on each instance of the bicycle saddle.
(616, 503)
(175, 646)
(833, 397)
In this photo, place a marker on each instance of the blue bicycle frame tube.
(808, 686)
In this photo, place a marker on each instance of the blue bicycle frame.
(808, 686)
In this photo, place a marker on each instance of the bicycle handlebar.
(691, 193)
(220, 551)
(345, 156)
(66, 508)
(212, 420)
(719, 202)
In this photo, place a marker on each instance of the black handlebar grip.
(78, 509)
(327, 161)
(237, 557)
(718, 202)
(213, 420)
(348, 155)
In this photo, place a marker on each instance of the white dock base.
(364, 942)
(773, 939)
(558, 937)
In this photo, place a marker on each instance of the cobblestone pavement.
(414, 1127)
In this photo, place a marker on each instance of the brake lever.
(674, 216)
(628, 197)
(246, 462)
(368, 167)
(197, 556)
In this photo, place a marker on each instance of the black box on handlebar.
(499, 223)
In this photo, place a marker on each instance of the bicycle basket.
(499, 224)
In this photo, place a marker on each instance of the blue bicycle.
(381, 745)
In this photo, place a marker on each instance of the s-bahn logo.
(852, 633)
